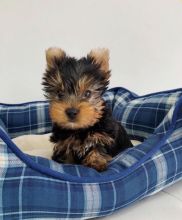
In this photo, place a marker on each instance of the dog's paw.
(96, 161)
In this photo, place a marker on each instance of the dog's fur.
(84, 131)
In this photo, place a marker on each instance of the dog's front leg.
(96, 160)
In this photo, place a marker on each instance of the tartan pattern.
(26, 118)
(27, 193)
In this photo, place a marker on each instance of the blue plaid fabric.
(38, 188)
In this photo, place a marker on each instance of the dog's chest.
(80, 144)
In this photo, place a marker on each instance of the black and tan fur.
(84, 131)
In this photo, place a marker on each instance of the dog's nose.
(72, 112)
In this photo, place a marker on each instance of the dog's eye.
(87, 94)
(60, 95)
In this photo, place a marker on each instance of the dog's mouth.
(72, 124)
(76, 124)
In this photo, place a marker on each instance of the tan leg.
(96, 160)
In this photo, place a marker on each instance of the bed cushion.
(35, 187)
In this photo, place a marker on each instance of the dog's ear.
(54, 55)
(101, 57)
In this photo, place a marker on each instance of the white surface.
(145, 41)
(36, 145)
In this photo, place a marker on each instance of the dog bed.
(37, 188)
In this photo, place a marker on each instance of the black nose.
(72, 112)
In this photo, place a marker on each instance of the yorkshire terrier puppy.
(84, 131)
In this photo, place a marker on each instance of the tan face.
(79, 110)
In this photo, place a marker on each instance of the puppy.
(84, 131)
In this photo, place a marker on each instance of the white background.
(144, 38)
(145, 42)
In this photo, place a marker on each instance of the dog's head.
(74, 87)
